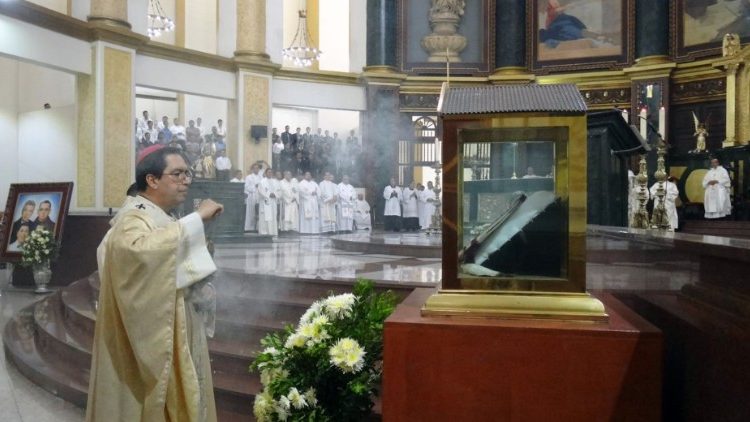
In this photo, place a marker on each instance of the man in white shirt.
(328, 197)
(223, 166)
(289, 200)
(237, 177)
(346, 202)
(409, 205)
(199, 125)
(220, 129)
(309, 212)
(530, 174)
(716, 200)
(143, 124)
(251, 200)
(392, 211)
(177, 129)
(267, 205)
(427, 199)
(362, 217)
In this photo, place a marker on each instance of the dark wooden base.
(461, 369)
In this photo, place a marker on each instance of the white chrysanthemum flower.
(347, 355)
(267, 376)
(320, 320)
(271, 351)
(285, 403)
(297, 400)
(263, 406)
(340, 306)
(295, 340)
(311, 312)
(310, 397)
(281, 413)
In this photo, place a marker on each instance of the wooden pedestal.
(461, 369)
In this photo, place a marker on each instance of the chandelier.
(302, 52)
(158, 22)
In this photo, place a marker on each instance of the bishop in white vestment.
(309, 212)
(346, 202)
(716, 200)
(328, 196)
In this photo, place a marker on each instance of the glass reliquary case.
(514, 203)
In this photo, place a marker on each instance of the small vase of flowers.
(38, 252)
(328, 367)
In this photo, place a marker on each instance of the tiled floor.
(20, 399)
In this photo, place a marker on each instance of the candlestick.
(663, 122)
(644, 124)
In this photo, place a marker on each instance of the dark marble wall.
(510, 33)
(652, 28)
(381, 33)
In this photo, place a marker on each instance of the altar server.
(392, 211)
(409, 205)
(251, 199)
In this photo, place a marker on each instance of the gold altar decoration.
(526, 257)
(659, 219)
(437, 217)
(735, 65)
(640, 217)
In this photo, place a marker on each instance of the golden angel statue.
(700, 133)
(730, 45)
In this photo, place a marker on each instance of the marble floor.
(20, 399)
(612, 264)
(314, 257)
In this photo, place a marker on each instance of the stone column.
(110, 12)
(106, 144)
(381, 35)
(652, 31)
(251, 31)
(510, 37)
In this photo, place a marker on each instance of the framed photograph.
(701, 25)
(474, 28)
(33, 206)
(580, 34)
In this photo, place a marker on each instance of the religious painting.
(702, 24)
(580, 34)
(32, 206)
(435, 32)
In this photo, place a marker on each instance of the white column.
(226, 37)
(357, 35)
(274, 29)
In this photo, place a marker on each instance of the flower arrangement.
(39, 249)
(329, 366)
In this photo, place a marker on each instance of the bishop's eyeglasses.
(180, 175)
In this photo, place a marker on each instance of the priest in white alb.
(670, 197)
(345, 207)
(252, 180)
(149, 360)
(362, 217)
(328, 196)
(289, 201)
(267, 205)
(309, 211)
(716, 200)
(427, 200)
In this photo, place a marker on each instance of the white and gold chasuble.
(150, 357)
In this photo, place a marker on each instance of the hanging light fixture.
(302, 52)
(158, 22)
